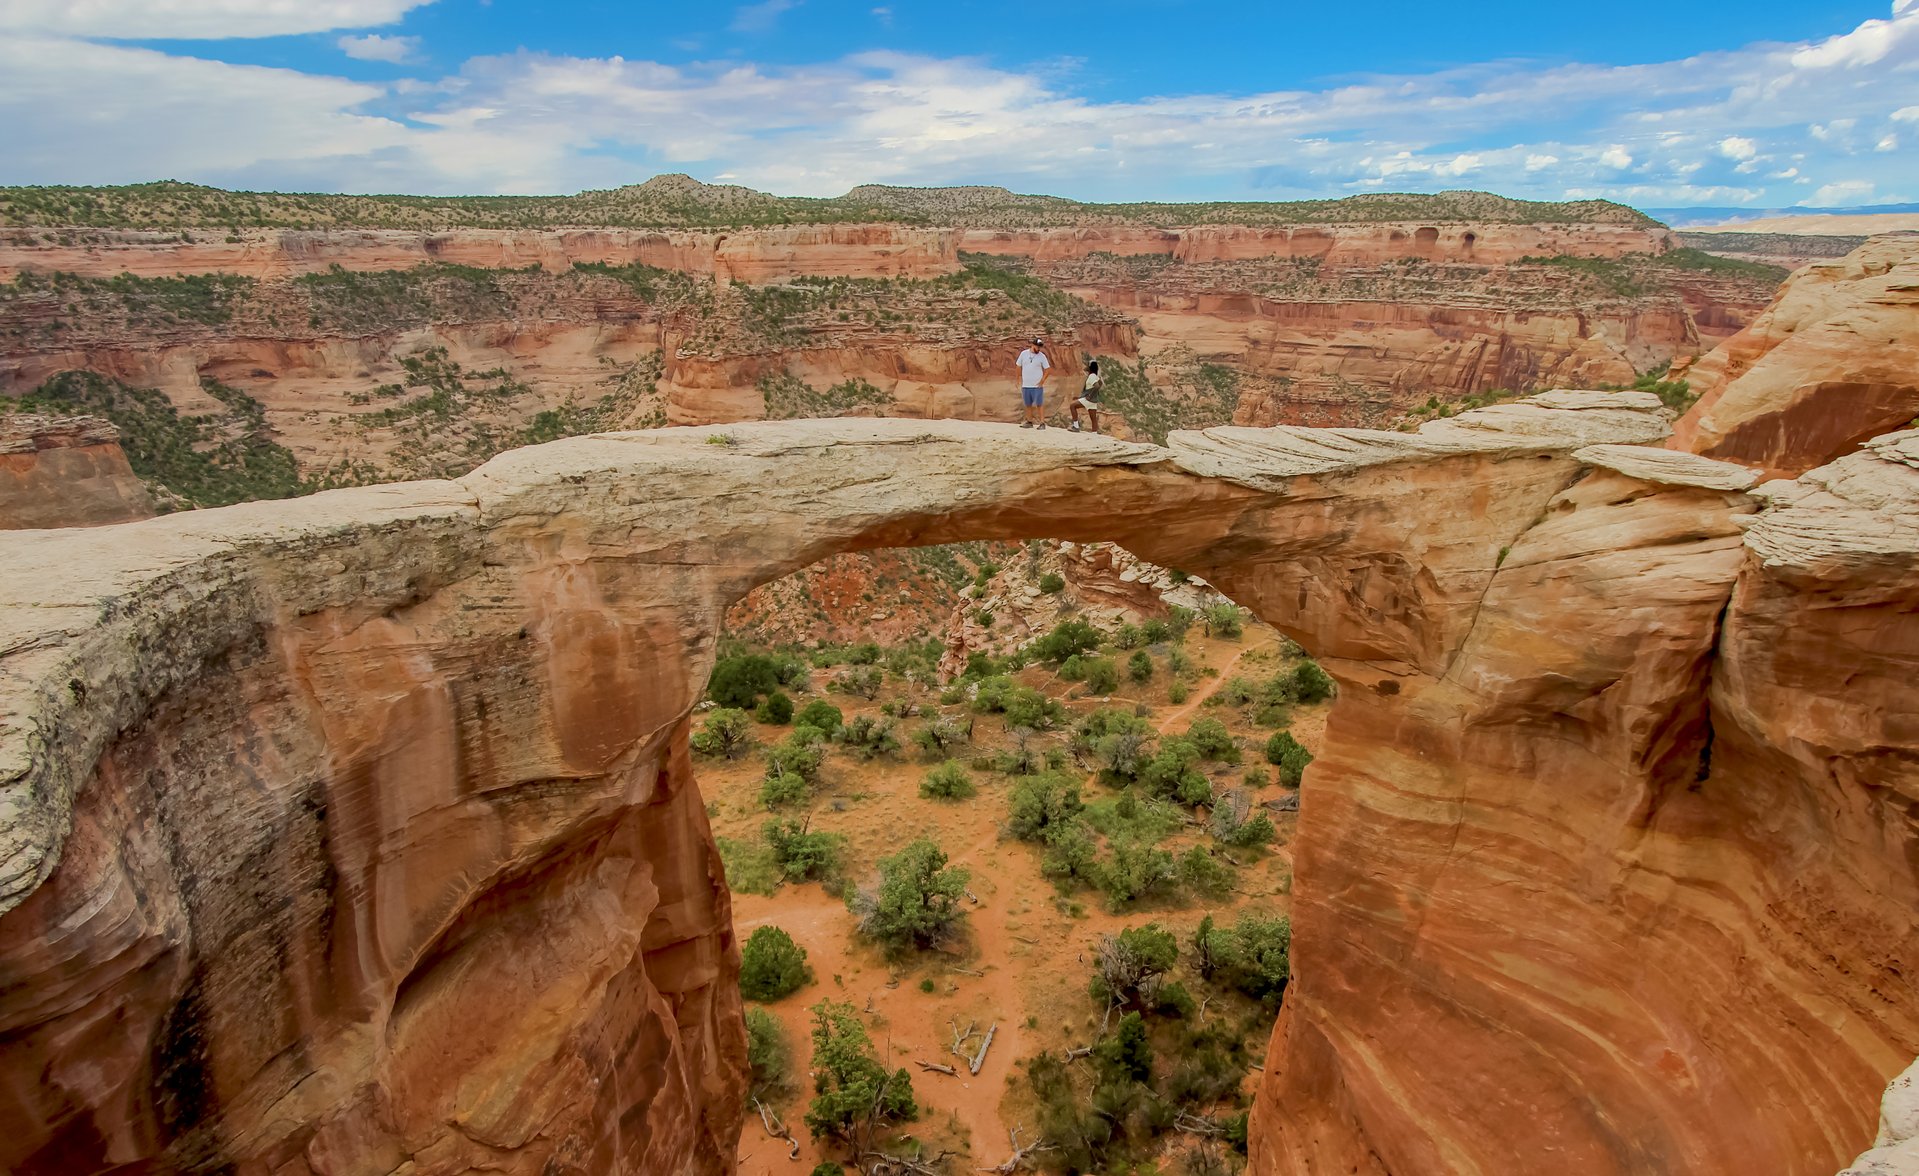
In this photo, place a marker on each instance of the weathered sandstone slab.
(1834, 361)
(354, 831)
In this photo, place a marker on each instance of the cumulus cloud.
(1845, 192)
(1677, 132)
(198, 19)
(374, 47)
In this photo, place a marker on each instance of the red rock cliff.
(1832, 362)
(66, 472)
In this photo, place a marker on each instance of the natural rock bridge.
(356, 834)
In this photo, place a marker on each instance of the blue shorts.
(1033, 397)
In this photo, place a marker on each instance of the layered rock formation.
(356, 829)
(747, 255)
(65, 472)
(1477, 242)
(1832, 362)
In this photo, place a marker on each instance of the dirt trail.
(1027, 945)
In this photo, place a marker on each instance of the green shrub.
(1139, 667)
(856, 1096)
(1067, 638)
(868, 737)
(772, 965)
(1179, 619)
(941, 735)
(863, 681)
(726, 732)
(1204, 874)
(1132, 871)
(739, 681)
(1073, 669)
(821, 715)
(1129, 636)
(1042, 804)
(1310, 683)
(1256, 830)
(1072, 853)
(1126, 1054)
(1128, 967)
(917, 902)
(1102, 675)
(1237, 690)
(1028, 708)
(1223, 620)
(803, 856)
(792, 767)
(948, 781)
(1253, 956)
(1052, 583)
(1176, 693)
(767, 1054)
(1171, 773)
(1213, 742)
(1289, 755)
(777, 709)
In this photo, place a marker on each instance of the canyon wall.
(1607, 862)
(747, 255)
(65, 472)
(1831, 363)
(1335, 244)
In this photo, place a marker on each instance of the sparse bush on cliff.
(1052, 583)
(916, 903)
(727, 733)
(1311, 684)
(772, 965)
(948, 781)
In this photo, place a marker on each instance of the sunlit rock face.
(1832, 363)
(65, 472)
(356, 832)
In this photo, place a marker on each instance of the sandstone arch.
(358, 830)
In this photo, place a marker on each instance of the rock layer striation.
(356, 832)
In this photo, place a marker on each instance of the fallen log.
(979, 1059)
(937, 1068)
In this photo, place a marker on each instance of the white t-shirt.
(1032, 367)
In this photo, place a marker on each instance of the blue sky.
(1764, 104)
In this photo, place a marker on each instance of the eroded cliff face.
(1832, 362)
(301, 797)
(65, 472)
(747, 255)
(1336, 244)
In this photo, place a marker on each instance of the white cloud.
(761, 17)
(1841, 194)
(374, 47)
(885, 16)
(198, 19)
(1666, 132)
(1889, 143)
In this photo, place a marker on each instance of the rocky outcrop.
(1832, 362)
(65, 472)
(745, 255)
(1896, 1150)
(356, 829)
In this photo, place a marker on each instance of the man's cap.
(1038, 342)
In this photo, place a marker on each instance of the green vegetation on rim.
(677, 201)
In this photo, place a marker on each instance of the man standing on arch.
(1033, 366)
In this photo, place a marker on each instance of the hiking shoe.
(1026, 424)
(1041, 425)
(1074, 427)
